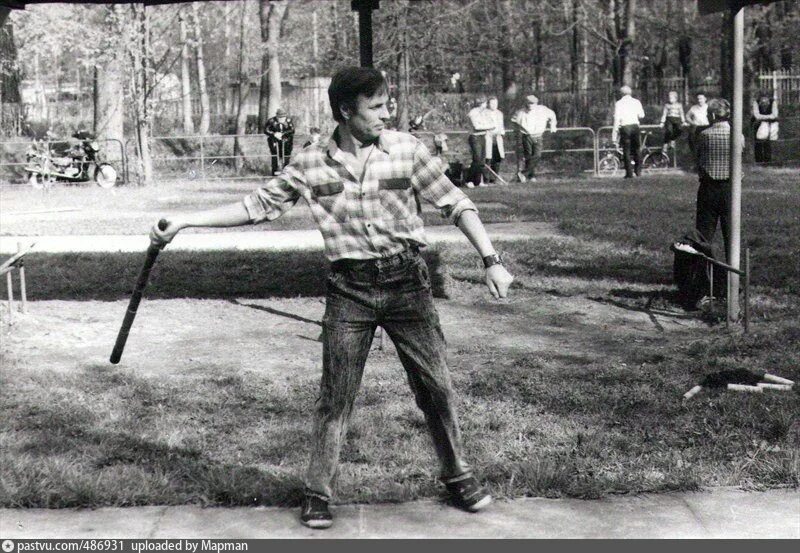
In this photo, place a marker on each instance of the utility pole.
(736, 164)
(364, 9)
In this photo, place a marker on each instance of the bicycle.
(611, 163)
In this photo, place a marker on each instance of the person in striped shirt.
(364, 190)
(672, 120)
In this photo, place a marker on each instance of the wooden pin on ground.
(777, 379)
(693, 392)
(744, 388)
(771, 386)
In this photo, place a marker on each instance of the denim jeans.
(394, 293)
(532, 152)
(714, 205)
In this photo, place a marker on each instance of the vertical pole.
(365, 35)
(746, 290)
(23, 295)
(10, 286)
(736, 165)
(203, 159)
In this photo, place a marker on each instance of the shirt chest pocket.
(397, 198)
(330, 196)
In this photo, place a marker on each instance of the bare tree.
(186, 84)
(9, 79)
(139, 51)
(272, 14)
(244, 89)
(205, 108)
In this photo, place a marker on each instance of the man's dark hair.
(348, 83)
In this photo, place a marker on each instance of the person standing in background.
(482, 122)
(713, 169)
(280, 137)
(495, 147)
(627, 113)
(532, 123)
(672, 120)
(765, 123)
(697, 119)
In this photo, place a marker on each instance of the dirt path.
(280, 336)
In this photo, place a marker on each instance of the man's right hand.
(160, 237)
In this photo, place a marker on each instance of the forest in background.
(222, 67)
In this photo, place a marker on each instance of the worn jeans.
(477, 171)
(532, 152)
(394, 293)
(714, 206)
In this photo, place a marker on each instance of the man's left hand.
(498, 279)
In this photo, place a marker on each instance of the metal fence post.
(202, 158)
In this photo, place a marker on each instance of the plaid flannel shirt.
(377, 215)
(713, 151)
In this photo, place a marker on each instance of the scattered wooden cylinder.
(693, 392)
(771, 386)
(744, 388)
(777, 379)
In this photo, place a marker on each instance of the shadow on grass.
(180, 274)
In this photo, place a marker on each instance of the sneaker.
(521, 177)
(470, 184)
(532, 179)
(468, 494)
(315, 512)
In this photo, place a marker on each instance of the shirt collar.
(333, 143)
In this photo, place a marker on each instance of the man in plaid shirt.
(713, 160)
(364, 191)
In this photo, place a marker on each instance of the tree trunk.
(626, 51)
(507, 72)
(244, 88)
(227, 92)
(272, 13)
(402, 70)
(9, 81)
(139, 76)
(108, 105)
(202, 85)
(186, 83)
(574, 51)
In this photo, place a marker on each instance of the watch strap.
(493, 259)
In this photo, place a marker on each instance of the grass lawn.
(572, 388)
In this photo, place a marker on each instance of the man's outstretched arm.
(498, 279)
(230, 215)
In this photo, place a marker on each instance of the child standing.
(672, 119)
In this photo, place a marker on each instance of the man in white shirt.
(697, 118)
(481, 120)
(627, 113)
(532, 123)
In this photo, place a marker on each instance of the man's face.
(493, 104)
(369, 117)
(531, 104)
(701, 100)
(282, 119)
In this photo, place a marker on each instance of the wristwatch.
(490, 260)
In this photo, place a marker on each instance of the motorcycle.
(78, 159)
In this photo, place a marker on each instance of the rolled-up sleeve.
(431, 183)
(275, 198)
